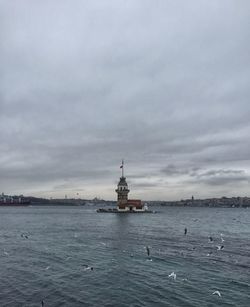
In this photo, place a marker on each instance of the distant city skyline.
(163, 85)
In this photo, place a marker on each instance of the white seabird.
(172, 275)
(68, 258)
(5, 253)
(217, 292)
(87, 267)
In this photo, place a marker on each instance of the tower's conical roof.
(122, 181)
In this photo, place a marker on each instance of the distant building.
(13, 200)
(123, 203)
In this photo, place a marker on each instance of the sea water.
(46, 254)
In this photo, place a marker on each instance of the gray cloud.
(164, 85)
(173, 170)
(222, 177)
(216, 182)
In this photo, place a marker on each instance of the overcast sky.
(162, 84)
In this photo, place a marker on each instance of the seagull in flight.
(149, 259)
(68, 258)
(220, 247)
(87, 267)
(5, 253)
(217, 292)
(172, 275)
(221, 237)
(24, 236)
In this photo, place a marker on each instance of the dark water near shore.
(49, 264)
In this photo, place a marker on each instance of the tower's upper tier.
(122, 185)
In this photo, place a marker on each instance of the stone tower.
(122, 189)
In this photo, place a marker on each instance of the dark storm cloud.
(162, 84)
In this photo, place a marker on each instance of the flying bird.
(86, 267)
(217, 292)
(5, 253)
(24, 236)
(148, 250)
(172, 275)
(185, 231)
(68, 258)
(220, 247)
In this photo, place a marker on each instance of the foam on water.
(51, 264)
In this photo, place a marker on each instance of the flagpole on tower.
(122, 168)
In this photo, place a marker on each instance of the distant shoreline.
(223, 202)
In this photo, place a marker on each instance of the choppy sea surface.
(46, 254)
